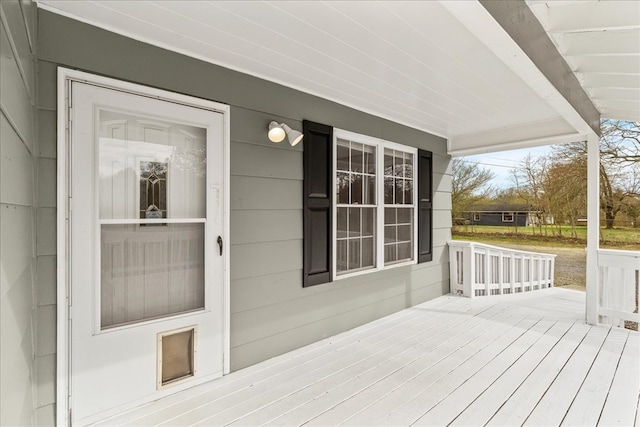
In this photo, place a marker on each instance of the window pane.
(404, 215)
(399, 191)
(388, 162)
(398, 169)
(368, 252)
(369, 190)
(408, 192)
(388, 191)
(390, 253)
(342, 188)
(354, 222)
(354, 254)
(356, 157)
(370, 161)
(389, 215)
(404, 233)
(405, 251)
(408, 165)
(342, 155)
(356, 189)
(389, 233)
(368, 221)
(341, 223)
(341, 255)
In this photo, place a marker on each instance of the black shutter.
(425, 207)
(317, 222)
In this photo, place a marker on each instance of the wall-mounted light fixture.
(277, 132)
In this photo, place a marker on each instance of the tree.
(470, 185)
(619, 164)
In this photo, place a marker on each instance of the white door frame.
(65, 77)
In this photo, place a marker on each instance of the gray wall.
(271, 312)
(20, 351)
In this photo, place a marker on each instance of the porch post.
(593, 227)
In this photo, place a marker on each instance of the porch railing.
(618, 282)
(478, 269)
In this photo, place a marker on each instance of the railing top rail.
(619, 253)
(466, 243)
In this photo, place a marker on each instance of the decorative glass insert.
(355, 206)
(153, 190)
(176, 356)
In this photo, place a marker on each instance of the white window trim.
(380, 145)
(508, 213)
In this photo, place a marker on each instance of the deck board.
(621, 406)
(502, 360)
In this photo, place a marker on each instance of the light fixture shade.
(292, 135)
(276, 132)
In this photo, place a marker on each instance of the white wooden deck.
(502, 360)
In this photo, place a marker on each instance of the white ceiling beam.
(612, 80)
(621, 114)
(622, 94)
(608, 42)
(593, 16)
(525, 47)
(623, 64)
(556, 131)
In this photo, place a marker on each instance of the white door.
(146, 240)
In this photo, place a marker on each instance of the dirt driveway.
(570, 268)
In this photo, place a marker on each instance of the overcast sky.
(501, 163)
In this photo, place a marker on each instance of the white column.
(593, 228)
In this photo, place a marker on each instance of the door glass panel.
(150, 171)
(150, 272)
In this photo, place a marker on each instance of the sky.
(501, 163)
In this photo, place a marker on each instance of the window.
(375, 203)
(367, 204)
(355, 184)
(476, 216)
(507, 216)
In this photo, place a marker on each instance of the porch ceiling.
(600, 40)
(443, 67)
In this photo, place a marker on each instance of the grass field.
(617, 238)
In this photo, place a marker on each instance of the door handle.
(220, 244)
